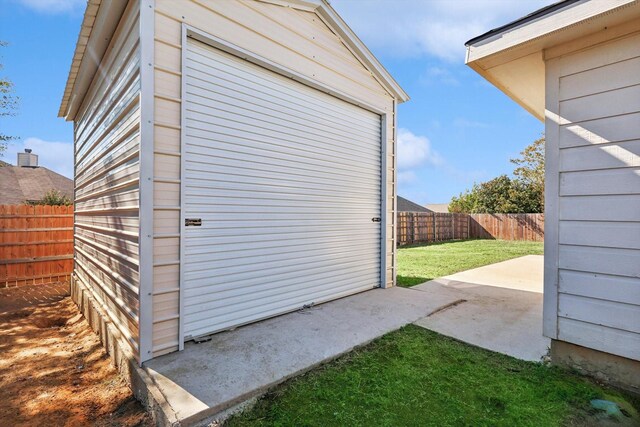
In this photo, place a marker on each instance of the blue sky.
(456, 130)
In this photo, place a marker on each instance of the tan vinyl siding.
(107, 143)
(296, 39)
(598, 181)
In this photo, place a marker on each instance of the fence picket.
(426, 227)
(36, 244)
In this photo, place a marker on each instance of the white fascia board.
(545, 26)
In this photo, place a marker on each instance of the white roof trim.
(99, 24)
(542, 27)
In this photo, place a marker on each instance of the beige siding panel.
(608, 181)
(600, 208)
(609, 340)
(167, 84)
(167, 139)
(612, 103)
(600, 55)
(619, 262)
(166, 193)
(601, 286)
(107, 141)
(600, 79)
(591, 157)
(298, 40)
(601, 234)
(166, 166)
(601, 312)
(165, 278)
(601, 131)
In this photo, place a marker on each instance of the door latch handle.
(376, 219)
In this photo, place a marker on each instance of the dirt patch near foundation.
(54, 371)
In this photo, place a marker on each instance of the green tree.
(522, 194)
(530, 168)
(8, 104)
(53, 198)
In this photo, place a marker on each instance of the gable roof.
(23, 184)
(406, 205)
(101, 19)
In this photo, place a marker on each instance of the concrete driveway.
(499, 307)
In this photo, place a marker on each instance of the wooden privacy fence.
(36, 244)
(507, 226)
(426, 227)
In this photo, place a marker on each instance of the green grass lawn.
(418, 264)
(415, 377)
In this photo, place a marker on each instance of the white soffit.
(513, 59)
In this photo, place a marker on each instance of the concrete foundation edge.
(142, 385)
(608, 368)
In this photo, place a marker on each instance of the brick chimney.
(27, 159)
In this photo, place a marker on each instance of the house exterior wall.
(296, 39)
(107, 152)
(592, 225)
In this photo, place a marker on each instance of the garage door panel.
(260, 144)
(249, 278)
(286, 180)
(255, 171)
(253, 126)
(310, 106)
(235, 259)
(226, 301)
(225, 71)
(232, 318)
(277, 164)
(272, 114)
(225, 191)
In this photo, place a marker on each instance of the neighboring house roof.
(512, 57)
(99, 24)
(438, 207)
(22, 184)
(405, 205)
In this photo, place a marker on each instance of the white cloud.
(428, 27)
(438, 75)
(54, 6)
(414, 151)
(54, 155)
(407, 177)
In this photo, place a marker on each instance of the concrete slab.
(208, 378)
(523, 273)
(505, 317)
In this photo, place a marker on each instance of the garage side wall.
(107, 148)
(295, 39)
(593, 177)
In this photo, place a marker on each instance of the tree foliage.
(8, 104)
(522, 194)
(53, 198)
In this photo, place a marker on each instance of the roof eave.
(525, 41)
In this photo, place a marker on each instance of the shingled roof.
(23, 184)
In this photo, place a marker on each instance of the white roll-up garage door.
(285, 182)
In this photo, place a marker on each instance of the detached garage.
(234, 161)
